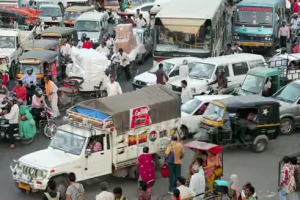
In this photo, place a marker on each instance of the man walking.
(51, 193)
(284, 34)
(104, 195)
(284, 178)
(161, 76)
(186, 93)
(75, 190)
(174, 154)
(51, 91)
(113, 87)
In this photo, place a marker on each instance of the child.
(176, 194)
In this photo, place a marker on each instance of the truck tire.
(61, 185)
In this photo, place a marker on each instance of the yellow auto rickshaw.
(40, 45)
(40, 61)
(56, 33)
(73, 12)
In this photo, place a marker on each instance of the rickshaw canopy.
(40, 44)
(61, 31)
(203, 146)
(78, 9)
(249, 101)
(41, 55)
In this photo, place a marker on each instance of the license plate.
(251, 44)
(172, 132)
(24, 186)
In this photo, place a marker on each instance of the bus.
(189, 28)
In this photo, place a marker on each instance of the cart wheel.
(260, 145)
(286, 126)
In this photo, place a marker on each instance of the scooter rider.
(221, 80)
(29, 81)
(38, 103)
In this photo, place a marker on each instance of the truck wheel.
(286, 126)
(61, 185)
(260, 146)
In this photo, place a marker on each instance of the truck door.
(99, 162)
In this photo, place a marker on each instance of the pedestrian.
(284, 34)
(184, 69)
(51, 91)
(186, 93)
(185, 192)
(118, 193)
(146, 167)
(246, 185)
(124, 62)
(174, 155)
(13, 120)
(105, 80)
(51, 193)
(104, 194)
(197, 183)
(234, 188)
(294, 164)
(249, 193)
(176, 194)
(284, 178)
(20, 91)
(113, 87)
(145, 194)
(161, 76)
(75, 190)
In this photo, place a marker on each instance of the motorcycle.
(4, 125)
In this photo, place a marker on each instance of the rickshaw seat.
(68, 90)
(245, 123)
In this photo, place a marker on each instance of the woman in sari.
(234, 188)
(146, 167)
(194, 165)
(27, 127)
(213, 168)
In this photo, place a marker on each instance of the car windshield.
(90, 26)
(202, 71)
(214, 112)
(7, 42)
(68, 142)
(288, 94)
(111, 3)
(254, 15)
(24, 68)
(253, 84)
(50, 12)
(167, 67)
(190, 106)
(71, 15)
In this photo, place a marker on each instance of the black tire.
(289, 126)
(47, 126)
(61, 185)
(260, 146)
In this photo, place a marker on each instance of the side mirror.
(88, 152)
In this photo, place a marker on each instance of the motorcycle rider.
(102, 48)
(29, 81)
(38, 103)
(221, 80)
(13, 119)
(82, 40)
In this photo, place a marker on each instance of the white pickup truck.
(10, 46)
(122, 125)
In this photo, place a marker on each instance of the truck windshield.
(254, 15)
(167, 67)
(71, 15)
(202, 71)
(214, 112)
(7, 42)
(288, 94)
(24, 68)
(50, 12)
(89, 26)
(68, 142)
(190, 106)
(253, 84)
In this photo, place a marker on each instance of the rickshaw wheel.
(286, 126)
(260, 145)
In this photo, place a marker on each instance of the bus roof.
(190, 9)
(263, 2)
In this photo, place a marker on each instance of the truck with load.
(122, 124)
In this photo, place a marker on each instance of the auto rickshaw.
(41, 62)
(212, 154)
(73, 12)
(59, 33)
(40, 45)
(241, 121)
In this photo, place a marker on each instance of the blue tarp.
(92, 113)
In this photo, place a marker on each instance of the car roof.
(180, 60)
(9, 32)
(80, 8)
(206, 98)
(50, 5)
(233, 58)
(91, 16)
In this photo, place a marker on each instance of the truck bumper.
(29, 184)
(255, 44)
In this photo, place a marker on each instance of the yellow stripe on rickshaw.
(71, 10)
(268, 125)
(212, 123)
(52, 34)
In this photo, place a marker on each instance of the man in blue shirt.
(29, 81)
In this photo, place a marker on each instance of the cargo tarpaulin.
(157, 102)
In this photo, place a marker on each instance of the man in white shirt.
(140, 22)
(124, 61)
(66, 49)
(197, 183)
(104, 195)
(184, 69)
(13, 119)
(102, 48)
(105, 80)
(137, 14)
(113, 87)
(186, 93)
(185, 192)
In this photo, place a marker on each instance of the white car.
(192, 111)
(171, 67)
(144, 9)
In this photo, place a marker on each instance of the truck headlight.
(14, 165)
(41, 173)
(236, 37)
(150, 83)
(193, 90)
(268, 38)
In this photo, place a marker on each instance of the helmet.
(38, 92)
(30, 69)
(221, 71)
(83, 35)
(14, 99)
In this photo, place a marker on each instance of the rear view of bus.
(189, 28)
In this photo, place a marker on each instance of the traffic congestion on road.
(149, 99)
